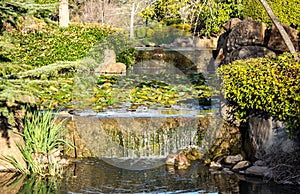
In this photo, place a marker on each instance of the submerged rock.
(241, 165)
(258, 171)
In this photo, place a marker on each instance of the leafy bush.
(204, 17)
(265, 84)
(287, 11)
(51, 44)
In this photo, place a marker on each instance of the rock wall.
(251, 39)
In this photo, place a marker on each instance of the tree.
(280, 28)
(136, 7)
(12, 10)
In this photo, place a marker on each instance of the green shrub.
(265, 84)
(51, 44)
(287, 11)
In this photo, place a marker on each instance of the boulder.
(9, 148)
(276, 42)
(258, 171)
(233, 159)
(109, 66)
(248, 38)
(241, 165)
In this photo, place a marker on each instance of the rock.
(250, 39)
(227, 171)
(259, 163)
(229, 25)
(109, 66)
(181, 161)
(276, 42)
(257, 170)
(215, 165)
(9, 148)
(233, 159)
(194, 154)
(241, 165)
(202, 43)
(246, 33)
(171, 159)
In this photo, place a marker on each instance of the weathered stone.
(258, 170)
(246, 33)
(10, 182)
(109, 66)
(204, 43)
(9, 148)
(250, 39)
(276, 41)
(215, 165)
(227, 171)
(229, 25)
(246, 52)
(241, 165)
(233, 159)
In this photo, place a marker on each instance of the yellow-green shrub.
(52, 43)
(287, 11)
(265, 84)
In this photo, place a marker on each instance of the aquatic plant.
(43, 136)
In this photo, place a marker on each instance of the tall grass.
(43, 135)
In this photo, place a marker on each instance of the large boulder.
(248, 38)
(276, 42)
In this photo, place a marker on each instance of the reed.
(43, 136)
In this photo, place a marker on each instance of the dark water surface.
(97, 176)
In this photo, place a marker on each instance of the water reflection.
(94, 176)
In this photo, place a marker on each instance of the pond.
(92, 175)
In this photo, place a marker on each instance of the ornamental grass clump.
(43, 138)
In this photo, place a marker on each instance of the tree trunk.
(280, 28)
(64, 13)
(131, 33)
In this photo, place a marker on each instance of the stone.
(259, 163)
(227, 171)
(233, 159)
(229, 25)
(258, 171)
(248, 38)
(215, 165)
(276, 41)
(181, 161)
(109, 66)
(241, 165)
(171, 159)
(9, 148)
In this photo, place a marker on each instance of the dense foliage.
(51, 43)
(205, 17)
(265, 84)
(12, 10)
(287, 11)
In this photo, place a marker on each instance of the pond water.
(92, 175)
